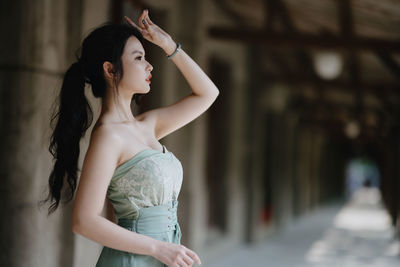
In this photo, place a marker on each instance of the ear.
(108, 69)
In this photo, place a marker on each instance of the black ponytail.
(74, 117)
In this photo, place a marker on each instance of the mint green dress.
(144, 193)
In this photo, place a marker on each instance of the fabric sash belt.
(154, 220)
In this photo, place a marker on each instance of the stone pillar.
(254, 154)
(288, 168)
(303, 169)
(314, 166)
(33, 57)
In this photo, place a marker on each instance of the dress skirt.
(159, 222)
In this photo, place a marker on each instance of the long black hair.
(74, 114)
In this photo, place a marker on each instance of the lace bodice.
(149, 178)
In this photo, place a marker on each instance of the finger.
(146, 23)
(149, 23)
(141, 21)
(148, 18)
(188, 260)
(132, 23)
(194, 256)
(182, 263)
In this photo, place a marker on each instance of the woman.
(125, 164)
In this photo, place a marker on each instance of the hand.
(175, 255)
(152, 33)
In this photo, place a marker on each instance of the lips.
(148, 78)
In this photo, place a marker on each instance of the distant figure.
(361, 172)
(367, 183)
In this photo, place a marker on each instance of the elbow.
(80, 223)
(75, 229)
(216, 94)
(76, 225)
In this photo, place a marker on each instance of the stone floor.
(351, 235)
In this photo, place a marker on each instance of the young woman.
(125, 166)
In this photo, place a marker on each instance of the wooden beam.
(336, 84)
(234, 16)
(389, 62)
(294, 40)
(346, 28)
(345, 18)
(280, 11)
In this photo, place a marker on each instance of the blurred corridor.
(352, 234)
(297, 163)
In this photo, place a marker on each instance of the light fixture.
(352, 129)
(327, 64)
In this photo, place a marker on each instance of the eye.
(139, 57)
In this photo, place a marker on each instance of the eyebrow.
(137, 51)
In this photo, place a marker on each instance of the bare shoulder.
(102, 155)
(105, 139)
(105, 133)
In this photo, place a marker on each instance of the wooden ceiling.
(366, 33)
(369, 18)
(366, 29)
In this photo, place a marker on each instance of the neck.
(117, 109)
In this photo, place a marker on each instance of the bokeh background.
(295, 164)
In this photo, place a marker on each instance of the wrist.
(155, 247)
(169, 47)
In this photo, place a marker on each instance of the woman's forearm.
(109, 234)
(200, 83)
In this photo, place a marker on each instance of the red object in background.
(266, 215)
(398, 223)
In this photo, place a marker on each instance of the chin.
(143, 91)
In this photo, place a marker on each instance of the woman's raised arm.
(167, 119)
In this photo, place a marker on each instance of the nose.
(149, 67)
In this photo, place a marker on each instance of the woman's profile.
(125, 165)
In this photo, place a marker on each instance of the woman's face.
(136, 70)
